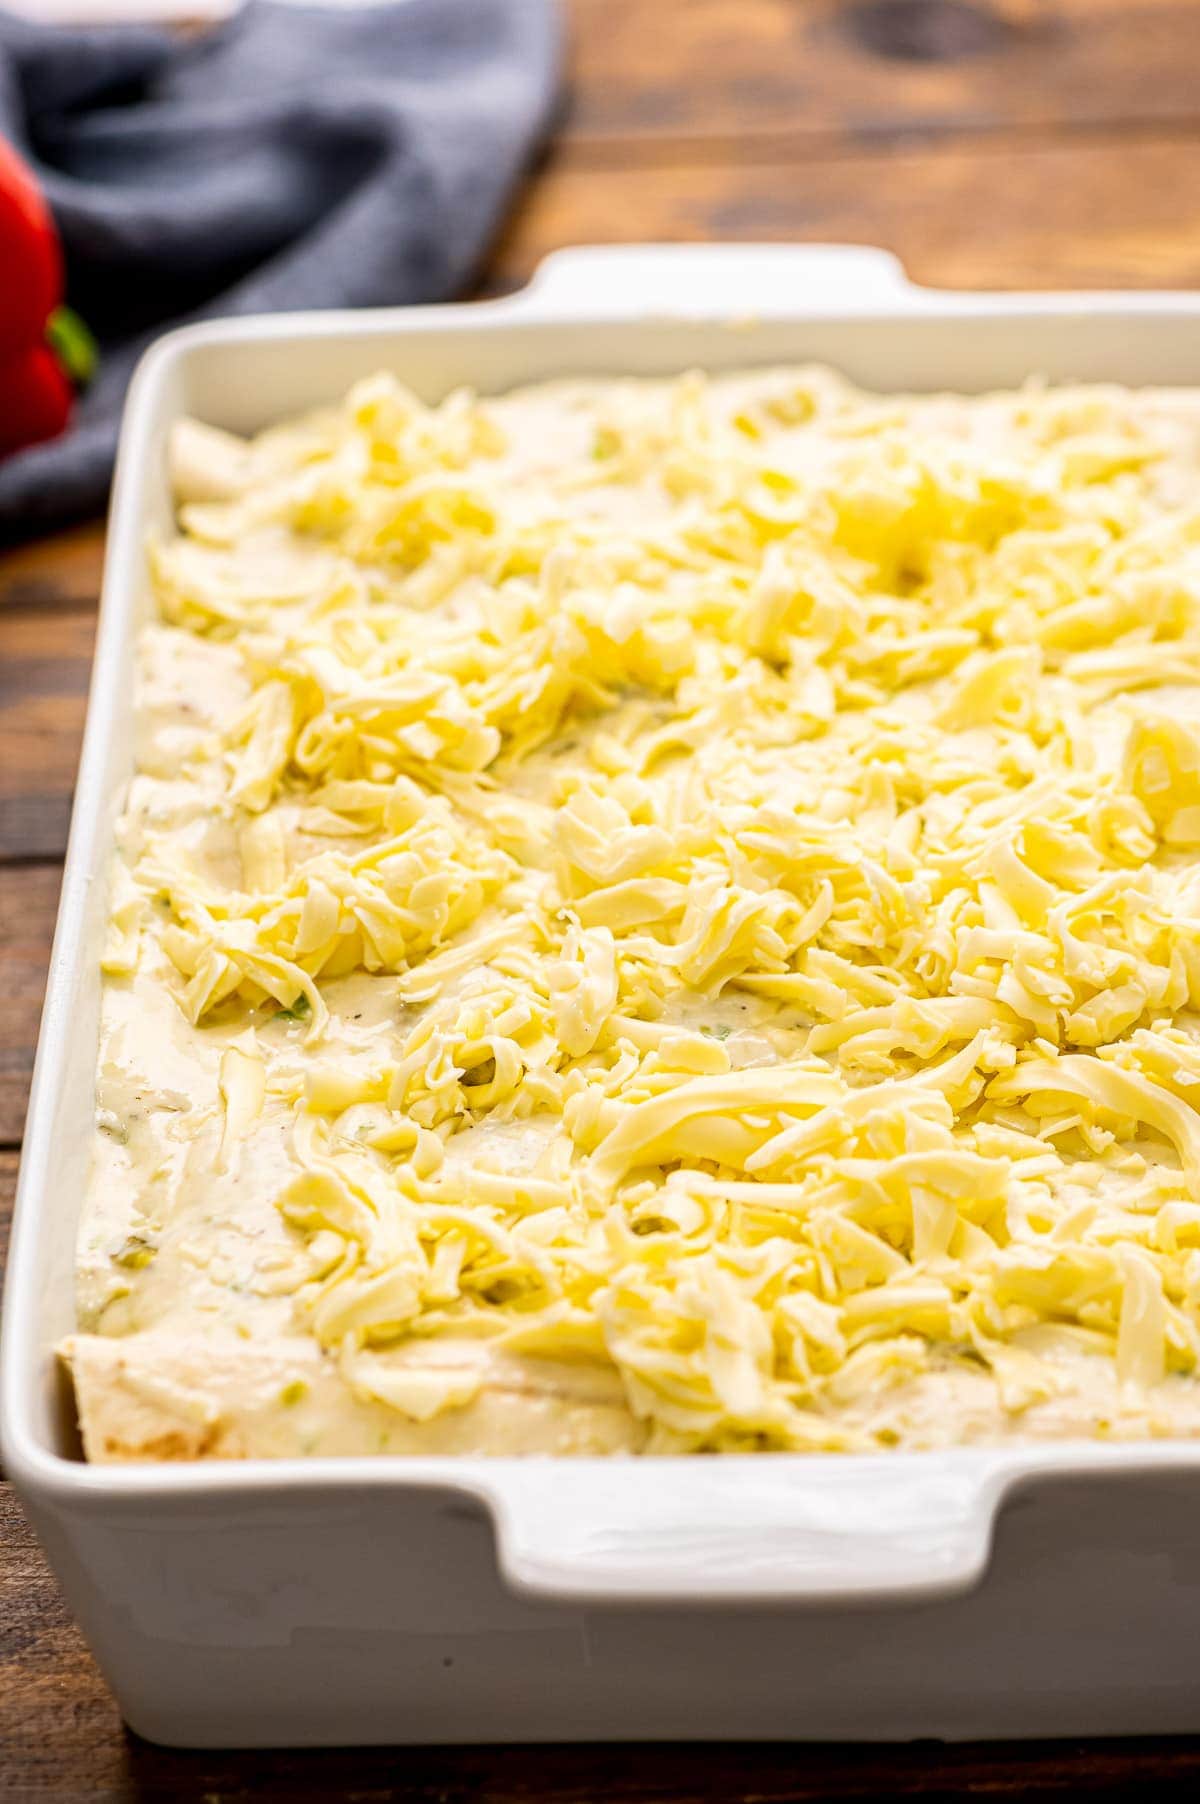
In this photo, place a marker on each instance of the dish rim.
(588, 286)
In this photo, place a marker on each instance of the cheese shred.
(770, 812)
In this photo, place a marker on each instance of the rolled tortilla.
(150, 1396)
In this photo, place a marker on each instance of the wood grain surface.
(990, 143)
(730, 73)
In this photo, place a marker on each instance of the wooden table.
(1003, 143)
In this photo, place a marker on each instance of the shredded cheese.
(775, 802)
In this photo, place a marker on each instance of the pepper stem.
(73, 345)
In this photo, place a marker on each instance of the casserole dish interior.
(791, 1526)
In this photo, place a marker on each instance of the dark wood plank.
(28, 901)
(60, 572)
(48, 594)
(45, 665)
(684, 1774)
(8, 1185)
(728, 72)
(985, 214)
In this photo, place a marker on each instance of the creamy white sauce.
(184, 1249)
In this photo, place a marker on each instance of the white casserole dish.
(323, 1602)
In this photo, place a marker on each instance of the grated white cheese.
(764, 817)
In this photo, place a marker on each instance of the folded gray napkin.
(299, 156)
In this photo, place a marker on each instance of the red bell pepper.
(44, 350)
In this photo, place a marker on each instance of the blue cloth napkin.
(299, 156)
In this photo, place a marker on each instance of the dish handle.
(763, 1528)
(629, 280)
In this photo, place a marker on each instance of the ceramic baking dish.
(1026, 1591)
